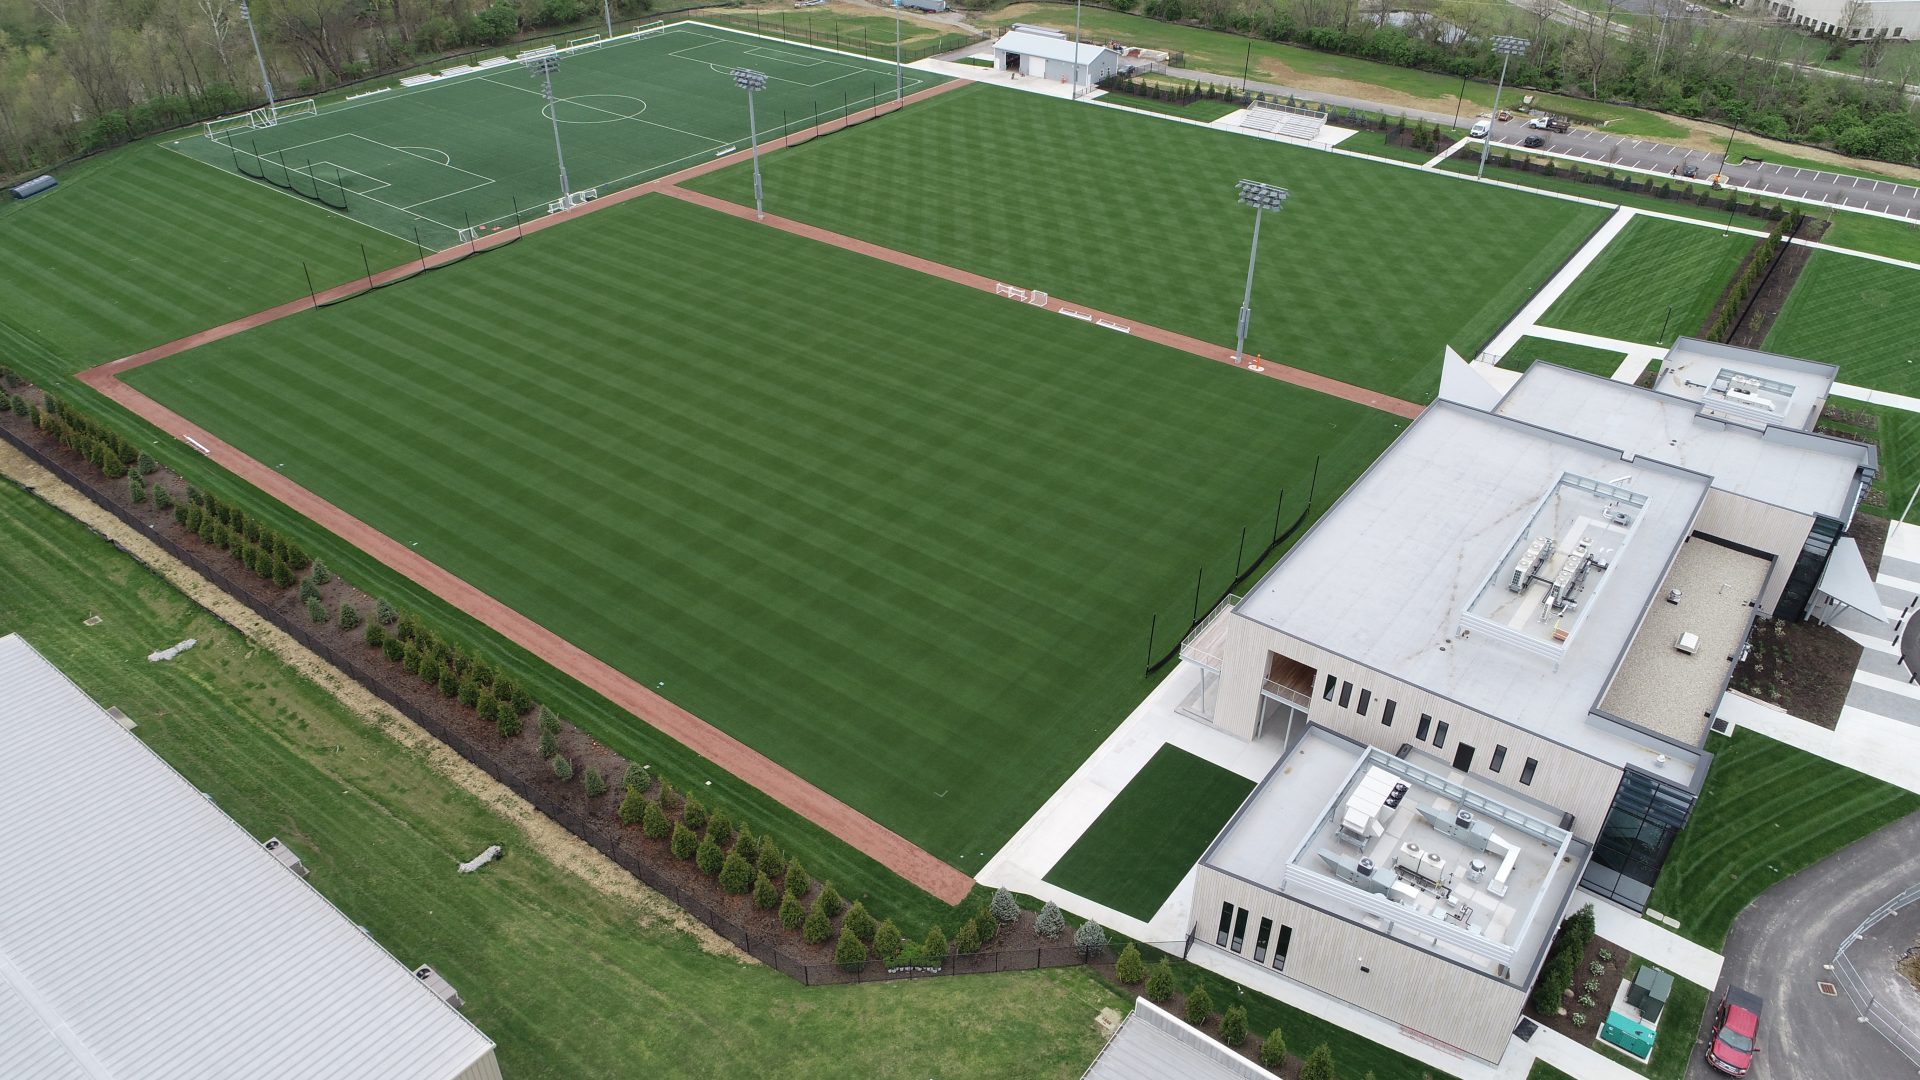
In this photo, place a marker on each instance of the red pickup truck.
(1736, 1033)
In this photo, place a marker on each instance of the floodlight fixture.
(544, 66)
(1262, 197)
(1506, 47)
(753, 81)
(246, 16)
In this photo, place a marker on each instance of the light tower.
(246, 16)
(1508, 48)
(1262, 197)
(545, 66)
(752, 82)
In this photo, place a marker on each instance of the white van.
(1480, 129)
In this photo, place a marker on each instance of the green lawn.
(142, 246)
(1543, 1071)
(1673, 1042)
(1134, 855)
(1375, 143)
(869, 35)
(1601, 362)
(568, 978)
(430, 161)
(1897, 433)
(1768, 812)
(1881, 236)
(1854, 312)
(1204, 110)
(1365, 275)
(854, 534)
(1657, 281)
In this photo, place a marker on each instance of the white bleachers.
(1284, 120)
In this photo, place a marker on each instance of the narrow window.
(1280, 948)
(1326, 692)
(1260, 943)
(1240, 930)
(1426, 725)
(1366, 699)
(1386, 712)
(1226, 924)
(1526, 771)
(1499, 758)
(1440, 736)
(1346, 693)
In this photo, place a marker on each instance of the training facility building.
(1848, 20)
(143, 933)
(1041, 53)
(1494, 664)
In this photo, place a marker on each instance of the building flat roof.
(1672, 692)
(1388, 575)
(1383, 842)
(144, 933)
(1027, 42)
(1747, 385)
(1805, 473)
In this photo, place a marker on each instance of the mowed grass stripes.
(1768, 812)
(1858, 314)
(142, 246)
(901, 536)
(1658, 280)
(1369, 271)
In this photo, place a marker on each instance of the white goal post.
(259, 118)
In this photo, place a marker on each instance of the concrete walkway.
(1652, 942)
(1877, 397)
(1529, 317)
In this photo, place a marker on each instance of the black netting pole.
(518, 229)
(311, 294)
(1198, 574)
(1277, 504)
(1313, 483)
(1153, 627)
(423, 258)
(1240, 552)
(368, 263)
(473, 245)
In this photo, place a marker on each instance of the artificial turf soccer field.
(899, 535)
(479, 148)
(1369, 271)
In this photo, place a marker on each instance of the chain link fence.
(1897, 1028)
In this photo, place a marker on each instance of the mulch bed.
(1614, 971)
(514, 760)
(1803, 667)
(1764, 307)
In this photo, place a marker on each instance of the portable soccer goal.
(260, 118)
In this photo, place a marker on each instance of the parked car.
(1480, 129)
(1560, 126)
(1689, 170)
(1504, 115)
(1539, 122)
(1736, 1033)
(1532, 141)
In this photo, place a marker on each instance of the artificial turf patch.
(1146, 840)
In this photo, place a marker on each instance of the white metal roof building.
(1041, 53)
(144, 934)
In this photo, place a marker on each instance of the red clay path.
(744, 762)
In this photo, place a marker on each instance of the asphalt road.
(1778, 949)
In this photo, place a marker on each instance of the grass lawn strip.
(1601, 362)
(1897, 433)
(1768, 812)
(1858, 314)
(1543, 1071)
(1365, 276)
(1136, 853)
(839, 558)
(1655, 282)
(571, 973)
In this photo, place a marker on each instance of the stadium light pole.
(246, 16)
(606, 9)
(1076, 50)
(899, 77)
(1508, 48)
(545, 66)
(753, 81)
(1262, 197)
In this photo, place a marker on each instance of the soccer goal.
(228, 124)
(577, 198)
(294, 110)
(260, 118)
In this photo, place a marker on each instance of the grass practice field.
(1364, 276)
(1601, 362)
(800, 491)
(1134, 855)
(1858, 314)
(1655, 282)
(478, 149)
(572, 977)
(1768, 812)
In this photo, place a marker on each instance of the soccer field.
(477, 149)
(901, 536)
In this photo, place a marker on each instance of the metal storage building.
(1044, 54)
(144, 934)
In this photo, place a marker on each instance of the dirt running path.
(742, 761)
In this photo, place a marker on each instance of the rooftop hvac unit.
(286, 856)
(1688, 643)
(441, 988)
(1529, 564)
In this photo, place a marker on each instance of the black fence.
(770, 948)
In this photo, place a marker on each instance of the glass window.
(1346, 693)
(1260, 943)
(1226, 924)
(1326, 692)
(1646, 815)
(1426, 725)
(1366, 699)
(1526, 771)
(1280, 948)
(1499, 758)
(1440, 735)
(1240, 930)
(1386, 713)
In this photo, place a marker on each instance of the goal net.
(260, 118)
(294, 110)
(227, 125)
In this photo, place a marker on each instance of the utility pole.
(1508, 48)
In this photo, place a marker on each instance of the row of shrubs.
(1765, 251)
(1158, 986)
(1563, 961)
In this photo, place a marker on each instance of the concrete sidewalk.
(1536, 308)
